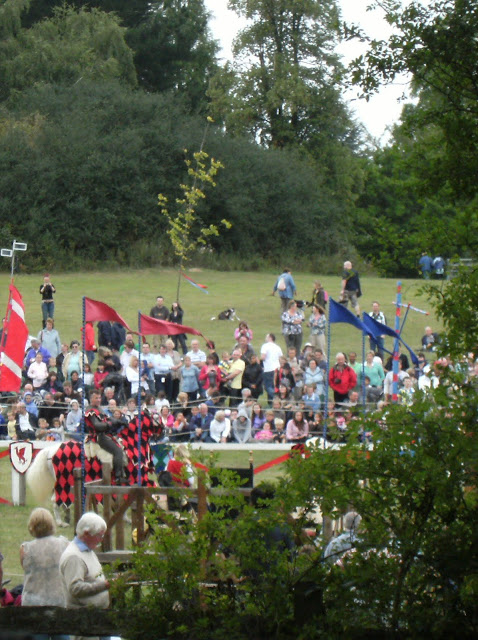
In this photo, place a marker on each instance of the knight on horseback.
(101, 430)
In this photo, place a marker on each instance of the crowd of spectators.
(246, 394)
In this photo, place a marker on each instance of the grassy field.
(131, 291)
(249, 293)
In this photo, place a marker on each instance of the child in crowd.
(11, 424)
(279, 436)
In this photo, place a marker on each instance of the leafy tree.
(174, 50)
(285, 66)
(69, 47)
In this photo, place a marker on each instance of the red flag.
(151, 326)
(14, 338)
(96, 311)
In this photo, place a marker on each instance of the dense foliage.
(411, 573)
(99, 98)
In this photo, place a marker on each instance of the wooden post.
(107, 544)
(19, 490)
(78, 494)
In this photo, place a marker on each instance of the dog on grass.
(227, 314)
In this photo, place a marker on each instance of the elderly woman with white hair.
(83, 580)
(40, 559)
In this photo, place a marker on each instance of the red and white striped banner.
(14, 338)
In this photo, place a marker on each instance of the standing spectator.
(234, 377)
(314, 375)
(317, 323)
(73, 360)
(148, 364)
(425, 264)
(270, 354)
(285, 285)
(118, 336)
(177, 364)
(342, 379)
(50, 339)
(163, 365)
(100, 375)
(176, 315)
(377, 344)
(83, 581)
(40, 559)
(210, 375)
(292, 320)
(37, 372)
(243, 330)
(159, 311)
(32, 352)
(252, 378)
(105, 334)
(439, 267)
(47, 289)
(319, 296)
(197, 356)
(90, 345)
(351, 290)
(189, 379)
(374, 371)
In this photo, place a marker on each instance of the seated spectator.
(213, 400)
(52, 384)
(219, 428)
(286, 399)
(200, 423)
(76, 383)
(252, 377)
(247, 402)
(388, 382)
(257, 418)
(430, 340)
(372, 394)
(68, 393)
(180, 431)
(166, 420)
(316, 424)
(30, 404)
(108, 394)
(25, 423)
(297, 429)
(11, 426)
(407, 392)
(241, 427)
(50, 408)
(280, 436)
(266, 434)
(161, 401)
(277, 408)
(73, 421)
(182, 404)
(56, 432)
(292, 360)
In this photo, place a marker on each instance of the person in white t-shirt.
(270, 354)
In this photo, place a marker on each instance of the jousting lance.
(409, 306)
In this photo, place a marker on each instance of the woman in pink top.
(297, 429)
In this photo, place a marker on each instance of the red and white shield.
(21, 455)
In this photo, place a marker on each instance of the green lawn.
(130, 291)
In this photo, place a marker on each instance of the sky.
(382, 110)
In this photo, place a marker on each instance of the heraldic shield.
(21, 455)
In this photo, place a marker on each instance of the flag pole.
(139, 400)
(326, 393)
(82, 423)
(396, 343)
(363, 373)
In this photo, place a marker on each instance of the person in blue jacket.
(285, 285)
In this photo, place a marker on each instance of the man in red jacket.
(342, 378)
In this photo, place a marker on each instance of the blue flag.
(375, 329)
(338, 313)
